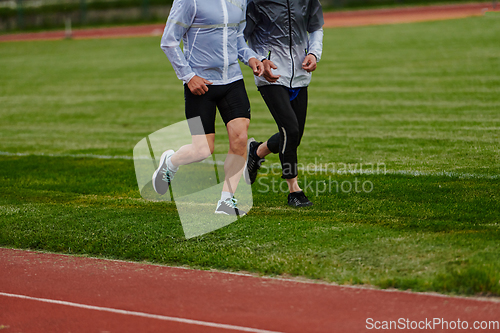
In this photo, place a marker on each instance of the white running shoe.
(228, 207)
(163, 176)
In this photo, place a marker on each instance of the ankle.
(171, 165)
(255, 151)
(226, 195)
(293, 186)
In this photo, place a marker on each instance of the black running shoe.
(228, 207)
(298, 199)
(163, 176)
(253, 162)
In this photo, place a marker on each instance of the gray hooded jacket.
(285, 31)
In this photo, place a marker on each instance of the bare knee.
(203, 152)
(238, 143)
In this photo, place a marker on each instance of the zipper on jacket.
(290, 31)
(224, 42)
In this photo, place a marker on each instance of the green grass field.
(422, 100)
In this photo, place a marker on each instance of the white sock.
(226, 195)
(171, 166)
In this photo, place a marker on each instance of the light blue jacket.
(212, 33)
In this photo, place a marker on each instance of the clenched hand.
(257, 67)
(268, 73)
(198, 85)
(309, 63)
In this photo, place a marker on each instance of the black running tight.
(290, 116)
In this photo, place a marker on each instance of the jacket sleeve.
(251, 19)
(245, 52)
(315, 29)
(316, 44)
(315, 20)
(179, 20)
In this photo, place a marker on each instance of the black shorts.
(231, 100)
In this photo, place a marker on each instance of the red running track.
(114, 32)
(42, 292)
(332, 19)
(407, 14)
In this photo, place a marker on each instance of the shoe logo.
(196, 187)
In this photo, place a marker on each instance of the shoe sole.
(162, 160)
(216, 212)
(304, 205)
(246, 176)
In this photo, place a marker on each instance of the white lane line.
(272, 278)
(450, 174)
(312, 168)
(104, 157)
(142, 314)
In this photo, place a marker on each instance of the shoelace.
(256, 160)
(167, 176)
(298, 198)
(231, 202)
(253, 161)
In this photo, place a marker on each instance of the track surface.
(134, 297)
(332, 19)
